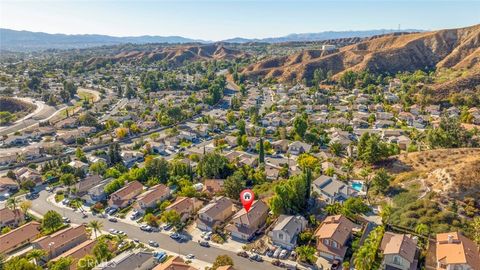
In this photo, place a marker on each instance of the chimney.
(450, 238)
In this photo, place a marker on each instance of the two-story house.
(245, 224)
(11, 218)
(61, 241)
(332, 237)
(215, 213)
(454, 251)
(185, 207)
(125, 195)
(284, 233)
(399, 251)
(332, 190)
(152, 197)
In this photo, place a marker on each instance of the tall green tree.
(52, 220)
(261, 152)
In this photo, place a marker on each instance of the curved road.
(41, 206)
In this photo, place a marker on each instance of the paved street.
(41, 206)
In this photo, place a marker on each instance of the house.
(399, 251)
(78, 165)
(297, 148)
(28, 174)
(332, 190)
(152, 197)
(213, 186)
(7, 186)
(280, 146)
(244, 225)
(332, 237)
(130, 260)
(215, 213)
(77, 253)
(19, 237)
(175, 263)
(62, 241)
(272, 171)
(231, 141)
(124, 196)
(453, 250)
(10, 218)
(97, 192)
(185, 206)
(15, 141)
(284, 233)
(84, 185)
(130, 157)
(157, 147)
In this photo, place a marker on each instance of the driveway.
(41, 206)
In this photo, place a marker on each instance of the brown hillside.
(451, 48)
(453, 173)
(175, 55)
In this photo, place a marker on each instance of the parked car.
(243, 254)
(256, 257)
(135, 240)
(112, 219)
(335, 264)
(283, 254)
(277, 253)
(145, 228)
(153, 243)
(190, 256)
(65, 220)
(175, 236)
(204, 244)
(167, 227)
(278, 263)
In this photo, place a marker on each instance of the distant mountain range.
(13, 40)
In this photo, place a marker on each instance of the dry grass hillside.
(451, 48)
(175, 55)
(453, 173)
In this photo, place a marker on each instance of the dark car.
(335, 264)
(204, 244)
(153, 243)
(278, 263)
(243, 254)
(256, 257)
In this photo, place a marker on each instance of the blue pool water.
(357, 186)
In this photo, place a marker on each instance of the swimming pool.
(358, 186)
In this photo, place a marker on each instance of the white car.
(190, 256)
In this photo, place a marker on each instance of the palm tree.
(13, 202)
(422, 229)
(385, 213)
(95, 225)
(333, 209)
(25, 206)
(337, 149)
(363, 259)
(36, 254)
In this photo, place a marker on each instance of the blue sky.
(221, 19)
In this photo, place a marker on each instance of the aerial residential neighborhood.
(357, 149)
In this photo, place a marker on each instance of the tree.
(36, 254)
(475, 225)
(381, 181)
(290, 196)
(151, 220)
(233, 185)
(96, 226)
(88, 262)
(214, 165)
(261, 152)
(25, 206)
(333, 209)
(307, 161)
(52, 220)
(6, 230)
(67, 179)
(371, 149)
(157, 167)
(13, 203)
(222, 260)
(60, 264)
(20, 263)
(422, 229)
(364, 259)
(449, 134)
(385, 213)
(354, 206)
(114, 186)
(306, 254)
(101, 251)
(300, 126)
(99, 167)
(114, 153)
(337, 149)
(172, 217)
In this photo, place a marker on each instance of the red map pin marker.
(247, 197)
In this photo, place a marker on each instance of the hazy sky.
(221, 19)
